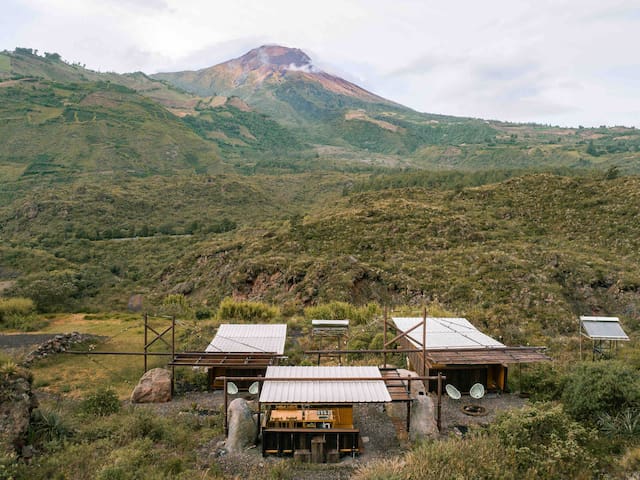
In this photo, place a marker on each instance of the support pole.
(424, 346)
(439, 418)
(580, 336)
(408, 415)
(146, 320)
(385, 336)
(226, 401)
(173, 355)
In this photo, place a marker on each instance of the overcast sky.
(561, 62)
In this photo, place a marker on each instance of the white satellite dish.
(452, 391)
(254, 387)
(232, 388)
(477, 391)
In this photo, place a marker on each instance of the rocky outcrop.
(58, 344)
(242, 426)
(16, 403)
(154, 387)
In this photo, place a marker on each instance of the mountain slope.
(63, 130)
(325, 110)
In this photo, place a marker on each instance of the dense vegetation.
(317, 205)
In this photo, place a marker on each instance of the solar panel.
(603, 328)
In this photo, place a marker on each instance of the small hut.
(457, 349)
(244, 350)
(309, 413)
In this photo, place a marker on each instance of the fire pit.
(474, 410)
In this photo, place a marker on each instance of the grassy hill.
(522, 257)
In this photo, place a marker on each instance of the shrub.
(474, 456)
(15, 306)
(544, 439)
(542, 381)
(177, 305)
(231, 309)
(19, 313)
(101, 403)
(601, 387)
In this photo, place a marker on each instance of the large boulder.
(422, 421)
(242, 426)
(153, 387)
(16, 403)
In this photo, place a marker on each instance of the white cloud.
(561, 62)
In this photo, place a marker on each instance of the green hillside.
(522, 257)
(99, 128)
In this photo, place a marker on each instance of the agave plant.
(624, 423)
(47, 426)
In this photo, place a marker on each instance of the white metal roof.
(325, 392)
(446, 333)
(330, 323)
(243, 338)
(603, 328)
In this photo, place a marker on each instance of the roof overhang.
(487, 356)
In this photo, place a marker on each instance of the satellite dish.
(254, 387)
(232, 388)
(477, 391)
(452, 391)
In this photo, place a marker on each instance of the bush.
(19, 313)
(101, 403)
(177, 305)
(542, 381)
(15, 306)
(231, 309)
(475, 456)
(545, 440)
(596, 388)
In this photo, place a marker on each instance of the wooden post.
(424, 346)
(580, 336)
(173, 355)
(408, 415)
(385, 337)
(439, 418)
(146, 319)
(226, 401)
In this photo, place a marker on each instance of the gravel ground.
(452, 414)
(378, 430)
(20, 340)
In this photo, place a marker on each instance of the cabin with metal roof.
(604, 332)
(244, 350)
(458, 350)
(308, 411)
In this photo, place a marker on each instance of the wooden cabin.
(245, 350)
(458, 350)
(308, 414)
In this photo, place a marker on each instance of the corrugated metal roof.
(446, 333)
(327, 323)
(603, 328)
(249, 339)
(326, 392)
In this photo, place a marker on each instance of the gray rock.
(154, 387)
(423, 424)
(242, 426)
(16, 403)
